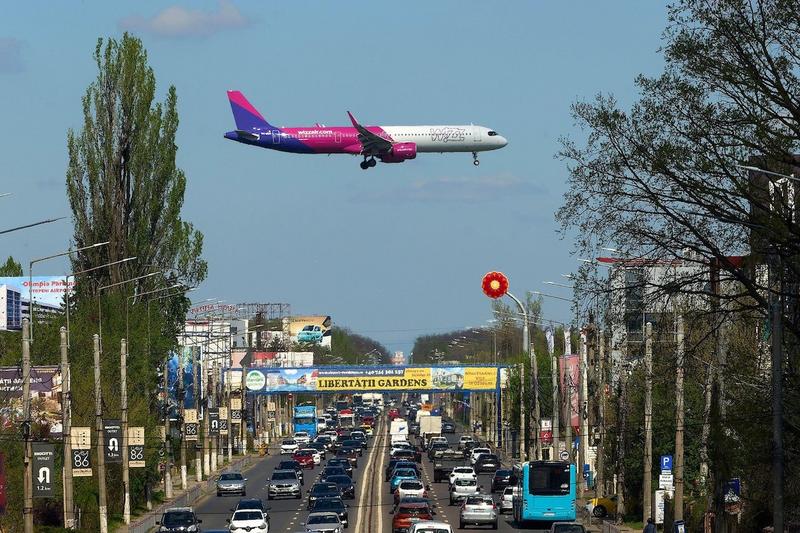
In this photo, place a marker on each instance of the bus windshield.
(549, 480)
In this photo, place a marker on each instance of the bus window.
(549, 480)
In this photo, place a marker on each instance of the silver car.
(284, 483)
(324, 523)
(478, 510)
(232, 483)
(507, 500)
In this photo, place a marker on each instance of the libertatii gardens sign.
(375, 379)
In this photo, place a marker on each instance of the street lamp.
(101, 289)
(39, 260)
(771, 173)
(559, 284)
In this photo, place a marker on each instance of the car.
(413, 428)
(462, 472)
(435, 439)
(430, 527)
(602, 507)
(347, 488)
(302, 437)
(248, 521)
(232, 483)
(322, 490)
(323, 522)
(342, 463)
(359, 436)
(461, 488)
(310, 333)
(333, 505)
(354, 444)
(334, 436)
(252, 503)
(399, 463)
(434, 447)
(487, 462)
(408, 513)
(305, 458)
(469, 445)
(401, 474)
(320, 447)
(177, 519)
(566, 527)
(475, 452)
(284, 483)
(367, 429)
(394, 412)
(410, 488)
(292, 465)
(316, 455)
(325, 440)
(478, 510)
(351, 454)
(507, 500)
(502, 478)
(463, 440)
(289, 446)
(445, 463)
(448, 427)
(332, 471)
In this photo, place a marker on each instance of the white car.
(289, 446)
(332, 434)
(477, 452)
(315, 454)
(507, 500)
(408, 488)
(434, 440)
(248, 521)
(430, 527)
(324, 521)
(302, 437)
(462, 472)
(465, 439)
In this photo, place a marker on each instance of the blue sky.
(392, 252)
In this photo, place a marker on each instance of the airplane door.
(477, 134)
(276, 136)
(337, 137)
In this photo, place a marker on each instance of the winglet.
(353, 120)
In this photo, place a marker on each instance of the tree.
(123, 183)
(11, 268)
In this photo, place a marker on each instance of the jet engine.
(399, 153)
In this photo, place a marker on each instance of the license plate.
(549, 514)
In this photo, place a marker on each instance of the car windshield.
(478, 451)
(549, 479)
(329, 504)
(249, 504)
(324, 489)
(289, 441)
(247, 515)
(178, 518)
(411, 485)
(288, 465)
(459, 470)
(479, 500)
(339, 479)
(413, 511)
(488, 457)
(431, 530)
(304, 453)
(508, 491)
(322, 519)
(230, 477)
(284, 475)
(405, 472)
(502, 473)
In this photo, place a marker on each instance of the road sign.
(213, 422)
(136, 436)
(190, 431)
(236, 416)
(666, 463)
(665, 481)
(236, 404)
(44, 464)
(136, 456)
(223, 426)
(223, 413)
(190, 416)
(81, 463)
(112, 439)
(564, 455)
(81, 437)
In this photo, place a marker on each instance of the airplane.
(390, 144)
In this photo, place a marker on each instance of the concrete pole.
(126, 480)
(524, 422)
(102, 506)
(679, 415)
(230, 425)
(583, 437)
(27, 486)
(66, 425)
(206, 405)
(198, 467)
(242, 415)
(556, 397)
(182, 400)
(568, 385)
(647, 496)
(537, 412)
(167, 441)
(601, 403)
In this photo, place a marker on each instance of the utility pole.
(27, 487)
(198, 468)
(215, 403)
(583, 437)
(123, 389)
(524, 422)
(100, 446)
(206, 405)
(537, 411)
(556, 393)
(647, 497)
(182, 400)
(679, 414)
(568, 394)
(601, 404)
(228, 386)
(66, 426)
(242, 417)
(167, 441)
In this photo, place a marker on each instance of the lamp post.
(117, 284)
(46, 221)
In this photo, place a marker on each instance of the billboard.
(314, 329)
(45, 397)
(358, 378)
(173, 364)
(15, 293)
(285, 359)
(569, 372)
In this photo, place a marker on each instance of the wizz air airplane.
(390, 144)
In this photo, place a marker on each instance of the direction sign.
(136, 436)
(223, 426)
(44, 463)
(213, 422)
(666, 463)
(112, 440)
(665, 481)
(136, 456)
(236, 416)
(81, 463)
(81, 437)
(190, 416)
(190, 431)
(564, 455)
(236, 404)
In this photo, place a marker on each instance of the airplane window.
(492, 133)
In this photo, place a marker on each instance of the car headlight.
(192, 528)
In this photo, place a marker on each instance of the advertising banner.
(112, 438)
(45, 394)
(569, 372)
(358, 378)
(213, 422)
(187, 355)
(44, 465)
(310, 330)
(81, 438)
(47, 293)
(3, 496)
(546, 431)
(136, 447)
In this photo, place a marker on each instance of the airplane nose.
(502, 141)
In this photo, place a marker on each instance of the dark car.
(399, 463)
(329, 471)
(503, 478)
(292, 465)
(354, 444)
(406, 455)
(178, 519)
(351, 454)
(342, 463)
(325, 440)
(445, 463)
(448, 427)
(487, 462)
(345, 483)
(437, 447)
(252, 503)
(322, 490)
(332, 505)
(320, 447)
(359, 436)
(413, 428)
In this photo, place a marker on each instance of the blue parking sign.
(666, 463)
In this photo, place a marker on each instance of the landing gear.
(367, 163)
(475, 159)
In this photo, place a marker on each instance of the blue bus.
(545, 492)
(305, 419)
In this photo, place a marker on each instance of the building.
(10, 308)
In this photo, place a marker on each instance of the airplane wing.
(371, 144)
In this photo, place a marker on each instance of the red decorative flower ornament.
(494, 284)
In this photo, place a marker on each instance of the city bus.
(305, 419)
(545, 492)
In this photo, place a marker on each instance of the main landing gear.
(367, 163)
(475, 159)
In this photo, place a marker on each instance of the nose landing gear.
(475, 159)
(367, 163)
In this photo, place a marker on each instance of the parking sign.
(666, 463)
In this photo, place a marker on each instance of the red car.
(409, 513)
(394, 413)
(369, 420)
(305, 458)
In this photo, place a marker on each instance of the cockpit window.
(492, 133)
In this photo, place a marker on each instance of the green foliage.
(11, 268)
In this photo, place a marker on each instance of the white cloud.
(460, 189)
(10, 56)
(178, 21)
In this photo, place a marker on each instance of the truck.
(398, 431)
(430, 426)
(305, 419)
(347, 419)
(420, 414)
(373, 399)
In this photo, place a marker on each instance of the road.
(369, 511)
